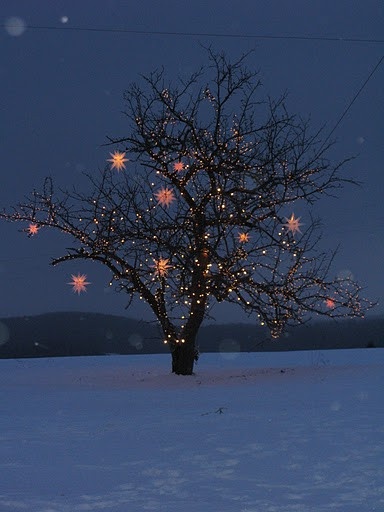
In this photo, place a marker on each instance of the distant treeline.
(75, 334)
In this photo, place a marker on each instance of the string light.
(224, 239)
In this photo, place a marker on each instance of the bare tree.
(204, 210)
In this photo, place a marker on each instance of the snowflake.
(118, 160)
(161, 266)
(79, 283)
(165, 196)
(293, 224)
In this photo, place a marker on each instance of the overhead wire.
(238, 36)
(199, 34)
(228, 35)
(354, 99)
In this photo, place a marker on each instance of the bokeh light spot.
(335, 406)
(15, 26)
(136, 340)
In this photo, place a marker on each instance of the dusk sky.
(61, 93)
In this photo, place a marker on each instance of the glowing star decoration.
(293, 224)
(118, 160)
(165, 196)
(178, 166)
(79, 283)
(243, 237)
(161, 266)
(330, 303)
(33, 229)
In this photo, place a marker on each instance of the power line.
(202, 34)
(354, 98)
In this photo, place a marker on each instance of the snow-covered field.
(281, 432)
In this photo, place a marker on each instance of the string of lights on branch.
(200, 205)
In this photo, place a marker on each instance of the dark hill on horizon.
(75, 334)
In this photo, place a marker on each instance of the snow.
(261, 432)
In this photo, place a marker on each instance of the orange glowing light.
(118, 160)
(330, 303)
(165, 196)
(293, 224)
(205, 253)
(161, 266)
(33, 229)
(243, 237)
(178, 166)
(79, 283)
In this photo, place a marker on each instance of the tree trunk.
(184, 356)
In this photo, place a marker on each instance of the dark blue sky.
(61, 95)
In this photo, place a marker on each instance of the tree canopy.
(198, 204)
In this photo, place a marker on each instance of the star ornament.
(165, 196)
(243, 237)
(33, 229)
(117, 160)
(178, 166)
(79, 283)
(293, 224)
(161, 266)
